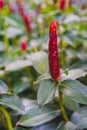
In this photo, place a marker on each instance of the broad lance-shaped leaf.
(46, 92)
(69, 103)
(17, 65)
(37, 116)
(73, 74)
(3, 87)
(82, 124)
(74, 90)
(12, 101)
(40, 61)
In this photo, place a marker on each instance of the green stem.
(62, 107)
(6, 42)
(7, 117)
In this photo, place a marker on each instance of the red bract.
(11, 8)
(24, 46)
(53, 52)
(20, 7)
(27, 22)
(62, 4)
(1, 4)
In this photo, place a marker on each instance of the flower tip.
(24, 46)
(52, 24)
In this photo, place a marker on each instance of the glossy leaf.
(3, 87)
(75, 90)
(40, 61)
(37, 116)
(46, 92)
(12, 101)
(73, 74)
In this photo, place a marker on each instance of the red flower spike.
(27, 22)
(24, 46)
(20, 7)
(1, 4)
(62, 4)
(53, 52)
(11, 8)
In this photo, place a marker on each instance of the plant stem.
(62, 107)
(7, 117)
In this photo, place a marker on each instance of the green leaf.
(69, 38)
(73, 74)
(74, 90)
(45, 127)
(80, 65)
(17, 65)
(20, 85)
(12, 101)
(37, 116)
(69, 103)
(70, 126)
(40, 61)
(46, 92)
(28, 104)
(3, 87)
(82, 124)
(61, 126)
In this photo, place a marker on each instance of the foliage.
(29, 97)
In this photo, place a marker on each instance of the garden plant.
(43, 65)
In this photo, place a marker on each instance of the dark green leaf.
(3, 87)
(69, 103)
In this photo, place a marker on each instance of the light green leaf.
(46, 92)
(37, 116)
(73, 74)
(75, 90)
(12, 101)
(3, 87)
(17, 65)
(40, 61)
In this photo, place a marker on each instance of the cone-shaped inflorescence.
(27, 22)
(1, 4)
(24, 16)
(53, 52)
(62, 4)
(20, 7)
(24, 46)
